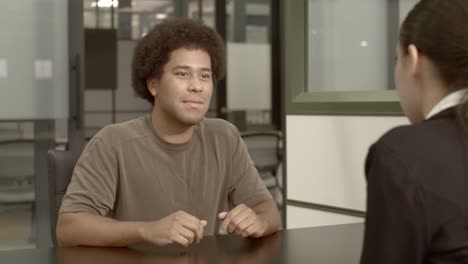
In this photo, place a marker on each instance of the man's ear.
(414, 60)
(152, 85)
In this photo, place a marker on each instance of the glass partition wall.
(34, 93)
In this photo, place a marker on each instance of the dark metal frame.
(221, 93)
(276, 22)
(301, 102)
(326, 208)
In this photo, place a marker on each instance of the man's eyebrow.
(185, 67)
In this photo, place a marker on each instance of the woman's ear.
(414, 60)
(151, 85)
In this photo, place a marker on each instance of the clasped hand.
(185, 229)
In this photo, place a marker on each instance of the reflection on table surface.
(219, 249)
(330, 244)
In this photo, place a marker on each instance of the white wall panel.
(325, 157)
(298, 217)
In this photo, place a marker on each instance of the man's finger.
(222, 215)
(188, 234)
(181, 240)
(239, 218)
(199, 234)
(259, 228)
(195, 225)
(245, 224)
(224, 225)
(190, 224)
(248, 232)
(190, 218)
(197, 229)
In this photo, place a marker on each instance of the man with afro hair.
(173, 176)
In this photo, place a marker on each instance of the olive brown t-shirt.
(127, 172)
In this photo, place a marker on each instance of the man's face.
(183, 92)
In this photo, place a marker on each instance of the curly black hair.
(153, 51)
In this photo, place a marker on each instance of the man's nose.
(195, 85)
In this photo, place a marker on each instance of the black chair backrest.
(265, 149)
(61, 164)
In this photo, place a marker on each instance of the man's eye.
(182, 74)
(206, 76)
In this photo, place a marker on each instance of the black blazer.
(417, 195)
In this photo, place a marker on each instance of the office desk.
(332, 244)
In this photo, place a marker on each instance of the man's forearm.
(83, 229)
(268, 212)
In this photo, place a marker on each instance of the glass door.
(40, 74)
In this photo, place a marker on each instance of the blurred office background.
(65, 72)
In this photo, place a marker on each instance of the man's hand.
(242, 221)
(179, 227)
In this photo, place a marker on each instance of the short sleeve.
(246, 186)
(94, 181)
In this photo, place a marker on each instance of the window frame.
(300, 101)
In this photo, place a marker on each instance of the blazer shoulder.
(427, 133)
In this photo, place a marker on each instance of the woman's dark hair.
(153, 51)
(439, 30)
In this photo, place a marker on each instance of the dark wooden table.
(331, 244)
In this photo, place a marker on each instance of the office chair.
(61, 164)
(265, 149)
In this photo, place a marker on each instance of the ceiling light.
(161, 16)
(108, 3)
